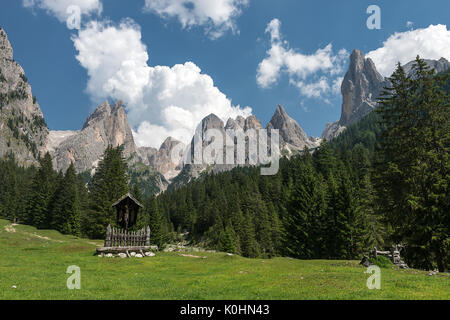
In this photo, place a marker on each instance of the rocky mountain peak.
(291, 133)
(232, 124)
(161, 160)
(240, 121)
(360, 88)
(280, 114)
(252, 123)
(211, 121)
(105, 126)
(169, 144)
(6, 51)
(102, 111)
(22, 127)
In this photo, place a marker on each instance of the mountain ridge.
(23, 130)
(25, 133)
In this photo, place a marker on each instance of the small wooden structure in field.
(127, 209)
(393, 255)
(121, 240)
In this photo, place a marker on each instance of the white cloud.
(429, 43)
(409, 24)
(216, 16)
(313, 74)
(161, 101)
(314, 89)
(115, 59)
(58, 8)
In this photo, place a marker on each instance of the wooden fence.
(393, 255)
(122, 238)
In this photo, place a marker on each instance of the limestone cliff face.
(23, 130)
(105, 126)
(292, 140)
(191, 169)
(161, 160)
(361, 88)
(292, 136)
(251, 122)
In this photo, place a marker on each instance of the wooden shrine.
(121, 240)
(127, 209)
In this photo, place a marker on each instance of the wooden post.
(147, 236)
(108, 236)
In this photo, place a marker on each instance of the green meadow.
(33, 265)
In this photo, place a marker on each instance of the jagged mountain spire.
(105, 126)
(360, 88)
(291, 134)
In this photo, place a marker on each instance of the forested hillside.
(384, 180)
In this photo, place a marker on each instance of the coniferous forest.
(383, 181)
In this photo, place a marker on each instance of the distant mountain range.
(23, 130)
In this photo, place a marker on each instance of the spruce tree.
(43, 186)
(155, 222)
(66, 216)
(413, 165)
(108, 184)
(300, 210)
(249, 246)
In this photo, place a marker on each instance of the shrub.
(381, 261)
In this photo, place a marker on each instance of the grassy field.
(35, 262)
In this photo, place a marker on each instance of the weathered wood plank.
(122, 249)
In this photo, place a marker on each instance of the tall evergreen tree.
(155, 222)
(249, 246)
(66, 216)
(108, 184)
(43, 186)
(413, 165)
(301, 208)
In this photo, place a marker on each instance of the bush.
(381, 261)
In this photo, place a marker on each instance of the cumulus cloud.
(313, 74)
(216, 16)
(429, 43)
(115, 59)
(58, 8)
(314, 89)
(161, 101)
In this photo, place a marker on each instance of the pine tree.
(108, 184)
(155, 222)
(300, 210)
(413, 165)
(227, 242)
(66, 217)
(43, 186)
(249, 246)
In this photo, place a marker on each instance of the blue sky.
(45, 48)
